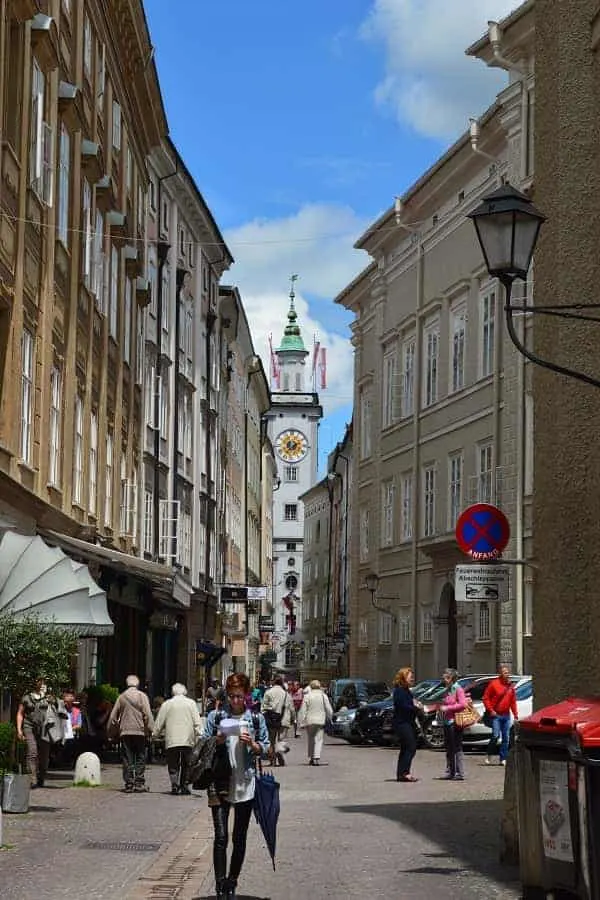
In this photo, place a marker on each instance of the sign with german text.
(481, 583)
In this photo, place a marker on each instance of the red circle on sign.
(482, 531)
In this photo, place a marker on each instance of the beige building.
(317, 613)
(443, 408)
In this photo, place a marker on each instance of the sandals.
(410, 778)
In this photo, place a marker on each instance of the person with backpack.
(31, 718)
(240, 737)
(500, 700)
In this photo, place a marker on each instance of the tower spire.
(292, 337)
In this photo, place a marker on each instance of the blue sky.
(300, 122)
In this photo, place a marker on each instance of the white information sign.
(478, 584)
(257, 593)
(554, 802)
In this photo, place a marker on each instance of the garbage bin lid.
(576, 714)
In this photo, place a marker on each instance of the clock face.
(292, 446)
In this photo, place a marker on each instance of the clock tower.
(293, 426)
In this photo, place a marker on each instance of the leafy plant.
(30, 649)
(7, 743)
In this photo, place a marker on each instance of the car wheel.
(356, 738)
(433, 735)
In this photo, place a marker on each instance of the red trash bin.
(558, 771)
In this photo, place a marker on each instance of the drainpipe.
(416, 519)
(499, 61)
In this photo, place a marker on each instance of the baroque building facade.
(443, 407)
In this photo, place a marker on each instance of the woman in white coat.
(314, 713)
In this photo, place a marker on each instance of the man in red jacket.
(500, 701)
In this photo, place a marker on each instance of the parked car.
(351, 692)
(480, 734)
(368, 723)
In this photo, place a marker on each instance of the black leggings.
(241, 821)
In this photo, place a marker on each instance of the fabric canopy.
(40, 580)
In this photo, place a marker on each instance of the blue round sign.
(482, 531)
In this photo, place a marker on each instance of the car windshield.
(525, 691)
(425, 687)
(373, 690)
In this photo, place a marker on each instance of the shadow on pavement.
(239, 897)
(468, 830)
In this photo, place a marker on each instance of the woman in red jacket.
(500, 700)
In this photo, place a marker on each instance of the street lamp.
(508, 226)
(371, 584)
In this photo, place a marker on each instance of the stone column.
(566, 511)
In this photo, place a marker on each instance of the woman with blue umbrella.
(241, 736)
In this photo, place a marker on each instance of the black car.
(367, 725)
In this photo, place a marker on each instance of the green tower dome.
(292, 337)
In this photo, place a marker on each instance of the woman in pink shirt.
(454, 700)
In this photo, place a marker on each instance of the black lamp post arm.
(529, 354)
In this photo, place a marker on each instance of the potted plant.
(15, 785)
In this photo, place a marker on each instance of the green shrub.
(7, 744)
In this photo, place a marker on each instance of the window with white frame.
(485, 473)
(41, 163)
(406, 512)
(385, 628)
(429, 501)
(27, 369)
(139, 346)
(458, 329)
(55, 426)
(116, 125)
(389, 387)
(93, 465)
(363, 536)
(108, 482)
(408, 377)
(152, 279)
(185, 551)
(363, 632)
(483, 629)
(87, 237)
(455, 488)
(100, 77)
(166, 306)
(98, 263)
(404, 627)
(431, 348)
(290, 473)
(129, 168)
(78, 452)
(64, 174)
(365, 422)
(87, 46)
(148, 524)
(387, 513)
(114, 292)
(127, 309)
(290, 512)
(426, 625)
(487, 311)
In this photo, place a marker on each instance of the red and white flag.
(323, 368)
(275, 368)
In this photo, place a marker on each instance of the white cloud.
(315, 243)
(429, 83)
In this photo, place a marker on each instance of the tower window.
(299, 381)
(290, 547)
(291, 561)
(291, 473)
(291, 512)
(286, 382)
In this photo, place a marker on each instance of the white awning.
(40, 580)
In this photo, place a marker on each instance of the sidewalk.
(101, 843)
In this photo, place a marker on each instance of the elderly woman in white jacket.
(314, 713)
(180, 720)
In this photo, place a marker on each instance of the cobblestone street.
(346, 830)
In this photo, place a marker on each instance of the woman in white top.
(314, 713)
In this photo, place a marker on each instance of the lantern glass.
(371, 581)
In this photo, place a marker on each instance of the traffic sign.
(482, 531)
(489, 584)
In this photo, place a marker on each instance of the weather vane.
(293, 280)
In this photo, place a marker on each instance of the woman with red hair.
(405, 713)
(242, 735)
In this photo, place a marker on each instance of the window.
(385, 628)
(408, 377)
(488, 313)
(127, 323)
(365, 422)
(41, 162)
(290, 473)
(93, 465)
(100, 76)
(429, 501)
(458, 324)
(405, 629)
(291, 582)
(152, 282)
(182, 242)
(165, 216)
(406, 529)
(108, 485)
(528, 462)
(387, 513)
(363, 633)
(389, 389)
(116, 125)
(63, 185)
(426, 626)
(148, 530)
(129, 169)
(87, 47)
(455, 484)
(97, 285)
(152, 194)
(485, 472)
(431, 338)
(78, 452)
(139, 347)
(291, 512)
(290, 547)
(163, 404)
(364, 534)
(114, 292)
(27, 353)
(86, 249)
(483, 622)
(55, 426)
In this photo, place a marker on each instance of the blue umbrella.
(266, 808)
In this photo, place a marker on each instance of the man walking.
(500, 700)
(180, 720)
(131, 718)
(273, 705)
